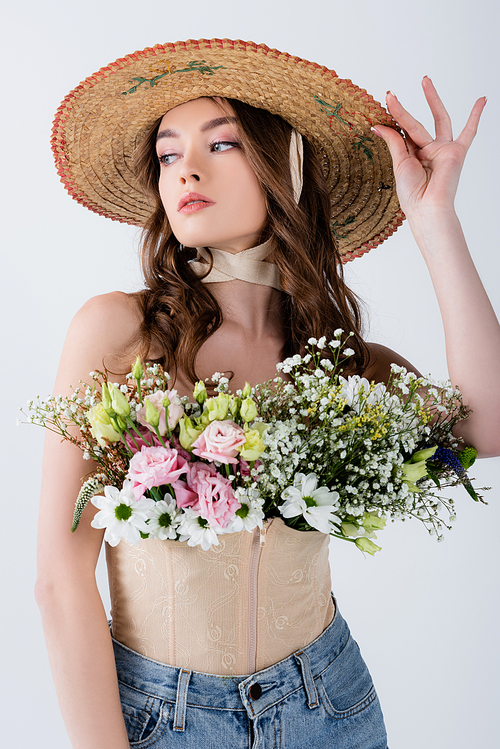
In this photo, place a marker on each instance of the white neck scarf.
(247, 266)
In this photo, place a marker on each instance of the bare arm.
(427, 171)
(74, 620)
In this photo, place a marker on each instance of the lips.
(193, 201)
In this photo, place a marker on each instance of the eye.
(223, 145)
(167, 158)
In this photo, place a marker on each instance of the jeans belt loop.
(307, 678)
(181, 700)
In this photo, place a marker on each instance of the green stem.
(128, 446)
(142, 436)
(160, 437)
(343, 538)
(166, 422)
(139, 391)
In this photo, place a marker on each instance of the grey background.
(425, 614)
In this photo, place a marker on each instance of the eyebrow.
(206, 126)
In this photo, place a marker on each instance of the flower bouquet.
(324, 452)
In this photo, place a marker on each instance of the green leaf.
(433, 475)
(470, 490)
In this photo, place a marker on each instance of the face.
(210, 193)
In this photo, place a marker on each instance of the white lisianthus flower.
(121, 514)
(356, 391)
(164, 520)
(196, 531)
(315, 504)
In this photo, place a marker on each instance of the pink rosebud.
(154, 466)
(175, 410)
(220, 441)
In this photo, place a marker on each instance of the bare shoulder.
(115, 317)
(379, 364)
(102, 334)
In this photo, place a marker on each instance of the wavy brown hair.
(180, 313)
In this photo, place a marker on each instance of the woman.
(221, 181)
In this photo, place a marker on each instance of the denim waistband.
(254, 693)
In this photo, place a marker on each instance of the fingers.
(441, 117)
(468, 133)
(395, 143)
(415, 130)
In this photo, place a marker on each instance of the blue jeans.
(321, 696)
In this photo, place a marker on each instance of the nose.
(191, 168)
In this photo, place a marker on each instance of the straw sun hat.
(99, 124)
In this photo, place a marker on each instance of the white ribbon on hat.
(296, 163)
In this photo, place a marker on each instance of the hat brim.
(99, 124)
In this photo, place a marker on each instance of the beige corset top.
(235, 609)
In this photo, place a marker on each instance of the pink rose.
(175, 410)
(154, 466)
(220, 441)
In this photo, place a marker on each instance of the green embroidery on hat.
(335, 225)
(199, 66)
(361, 145)
(333, 112)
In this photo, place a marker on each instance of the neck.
(253, 308)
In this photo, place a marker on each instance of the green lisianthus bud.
(120, 422)
(200, 392)
(247, 390)
(372, 522)
(253, 447)
(215, 409)
(365, 544)
(188, 432)
(349, 529)
(103, 428)
(119, 402)
(137, 370)
(106, 398)
(223, 401)
(248, 410)
(152, 415)
(235, 407)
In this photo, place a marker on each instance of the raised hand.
(427, 169)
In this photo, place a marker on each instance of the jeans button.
(255, 691)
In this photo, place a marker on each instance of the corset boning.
(235, 609)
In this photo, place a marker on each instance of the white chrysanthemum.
(195, 530)
(315, 504)
(164, 520)
(250, 515)
(121, 514)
